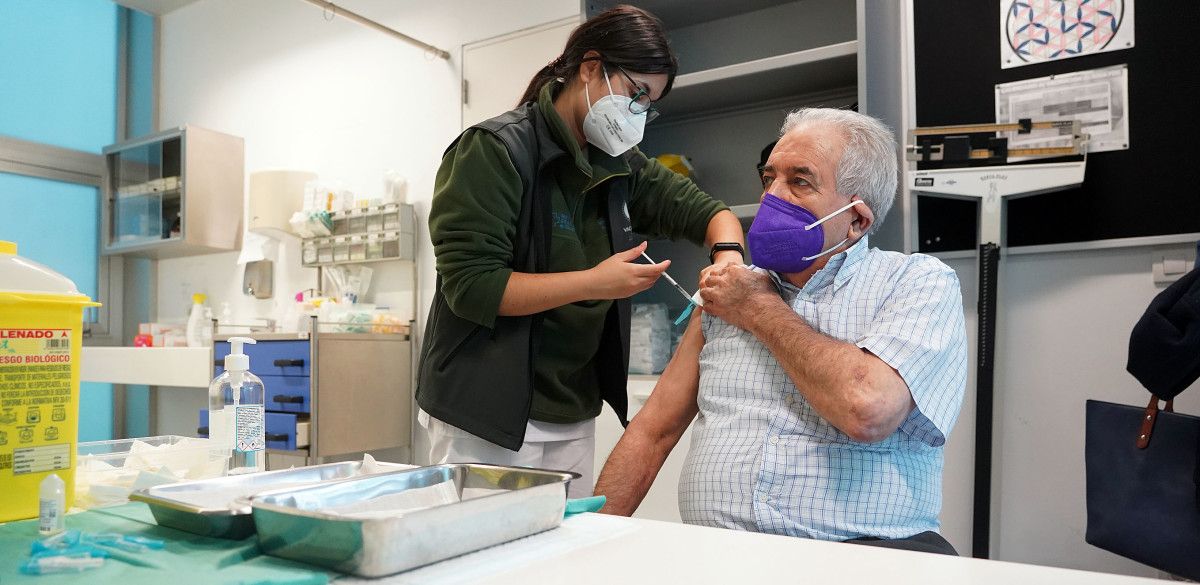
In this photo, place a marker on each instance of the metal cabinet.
(739, 91)
(174, 193)
(331, 394)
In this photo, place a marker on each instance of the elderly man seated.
(827, 377)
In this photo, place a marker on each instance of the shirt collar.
(593, 162)
(785, 289)
(836, 272)
(847, 261)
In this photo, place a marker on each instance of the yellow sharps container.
(41, 330)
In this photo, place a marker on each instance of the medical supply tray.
(494, 504)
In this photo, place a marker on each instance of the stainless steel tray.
(495, 504)
(220, 507)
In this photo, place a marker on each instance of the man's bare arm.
(850, 387)
(638, 456)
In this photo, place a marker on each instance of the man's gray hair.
(868, 164)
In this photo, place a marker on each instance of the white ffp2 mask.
(609, 125)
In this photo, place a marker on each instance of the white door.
(497, 70)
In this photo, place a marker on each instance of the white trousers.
(447, 443)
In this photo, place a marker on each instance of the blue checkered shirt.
(762, 459)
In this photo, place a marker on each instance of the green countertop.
(186, 559)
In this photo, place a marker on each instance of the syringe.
(669, 279)
(693, 300)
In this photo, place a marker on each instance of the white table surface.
(598, 549)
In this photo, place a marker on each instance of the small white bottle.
(395, 187)
(236, 417)
(199, 326)
(52, 505)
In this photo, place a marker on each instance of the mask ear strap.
(826, 218)
(831, 249)
(606, 79)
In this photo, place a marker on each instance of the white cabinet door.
(497, 70)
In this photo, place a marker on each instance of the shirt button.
(774, 440)
(762, 497)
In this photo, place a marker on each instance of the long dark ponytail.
(623, 35)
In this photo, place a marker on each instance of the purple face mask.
(788, 238)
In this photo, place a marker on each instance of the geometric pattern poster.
(1036, 31)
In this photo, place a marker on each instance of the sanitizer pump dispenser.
(235, 411)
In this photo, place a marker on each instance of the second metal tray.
(382, 524)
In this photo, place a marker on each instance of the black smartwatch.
(723, 246)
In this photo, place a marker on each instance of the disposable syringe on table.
(693, 300)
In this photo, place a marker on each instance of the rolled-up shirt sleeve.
(920, 332)
(472, 223)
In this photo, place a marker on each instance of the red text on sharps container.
(26, 334)
(34, 359)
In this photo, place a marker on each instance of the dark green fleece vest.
(480, 379)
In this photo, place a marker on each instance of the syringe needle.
(683, 292)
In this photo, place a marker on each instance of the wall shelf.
(372, 234)
(809, 71)
(675, 14)
(745, 212)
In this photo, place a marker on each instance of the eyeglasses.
(641, 102)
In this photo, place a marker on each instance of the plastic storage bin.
(109, 470)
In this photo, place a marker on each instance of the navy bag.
(1143, 464)
(1143, 503)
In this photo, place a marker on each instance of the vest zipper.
(579, 206)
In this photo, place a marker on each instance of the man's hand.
(721, 260)
(737, 294)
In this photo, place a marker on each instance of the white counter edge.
(151, 366)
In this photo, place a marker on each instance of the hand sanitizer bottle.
(235, 411)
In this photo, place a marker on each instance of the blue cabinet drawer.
(287, 393)
(269, 358)
(281, 431)
(202, 428)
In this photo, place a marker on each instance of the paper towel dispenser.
(274, 196)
